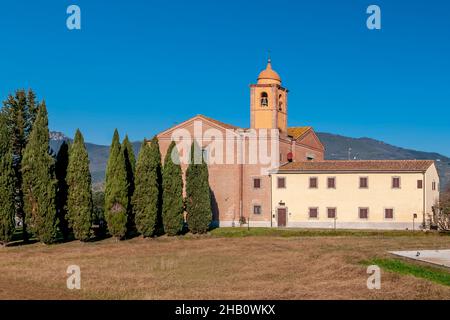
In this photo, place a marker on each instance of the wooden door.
(281, 217)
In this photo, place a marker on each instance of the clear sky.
(142, 66)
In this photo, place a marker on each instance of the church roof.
(219, 123)
(297, 132)
(358, 165)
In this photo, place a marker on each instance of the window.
(389, 213)
(264, 99)
(313, 183)
(256, 183)
(419, 184)
(331, 213)
(281, 183)
(331, 183)
(433, 185)
(280, 106)
(363, 182)
(395, 182)
(256, 209)
(363, 213)
(313, 213)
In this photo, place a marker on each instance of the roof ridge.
(216, 121)
(360, 165)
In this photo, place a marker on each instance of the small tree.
(79, 200)
(116, 190)
(62, 161)
(173, 205)
(198, 197)
(39, 182)
(147, 195)
(130, 164)
(7, 182)
(441, 211)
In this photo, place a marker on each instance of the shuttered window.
(363, 182)
(331, 213)
(363, 213)
(281, 183)
(419, 184)
(396, 182)
(331, 182)
(313, 213)
(313, 183)
(389, 213)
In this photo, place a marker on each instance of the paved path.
(439, 257)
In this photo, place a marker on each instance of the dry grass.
(215, 268)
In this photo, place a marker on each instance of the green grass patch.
(433, 274)
(238, 232)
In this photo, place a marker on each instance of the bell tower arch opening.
(268, 101)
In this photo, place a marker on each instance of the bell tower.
(268, 101)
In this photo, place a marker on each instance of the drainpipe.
(424, 204)
(241, 178)
(271, 209)
(241, 175)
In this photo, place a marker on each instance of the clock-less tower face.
(268, 101)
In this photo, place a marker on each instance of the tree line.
(50, 195)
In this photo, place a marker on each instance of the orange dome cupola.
(268, 75)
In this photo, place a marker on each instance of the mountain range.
(337, 147)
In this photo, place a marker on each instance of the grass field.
(229, 263)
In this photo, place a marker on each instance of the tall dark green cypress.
(173, 206)
(198, 197)
(147, 194)
(7, 182)
(62, 162)
(20, 110)
(130, 164)
(39, 182)
(79, 200)
(116, 190)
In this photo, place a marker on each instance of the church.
(295, 188)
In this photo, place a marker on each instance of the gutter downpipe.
(271, 209)
(424, 204)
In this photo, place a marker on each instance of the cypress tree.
(79, 200)
(198, 197)
(130, 164)
(7, 182)
(129, 155)
(62, 162)
(20, 110)
(116, 190)
(147, 195)
(173, 206)
(39, 182)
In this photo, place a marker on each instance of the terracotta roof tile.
(297, 132)
(358, 165)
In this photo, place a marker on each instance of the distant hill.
(98, 154)
(337, 148)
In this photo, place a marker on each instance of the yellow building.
(357, 194)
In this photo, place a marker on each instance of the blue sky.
(142, 66)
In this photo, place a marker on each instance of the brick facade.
(232, 190)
